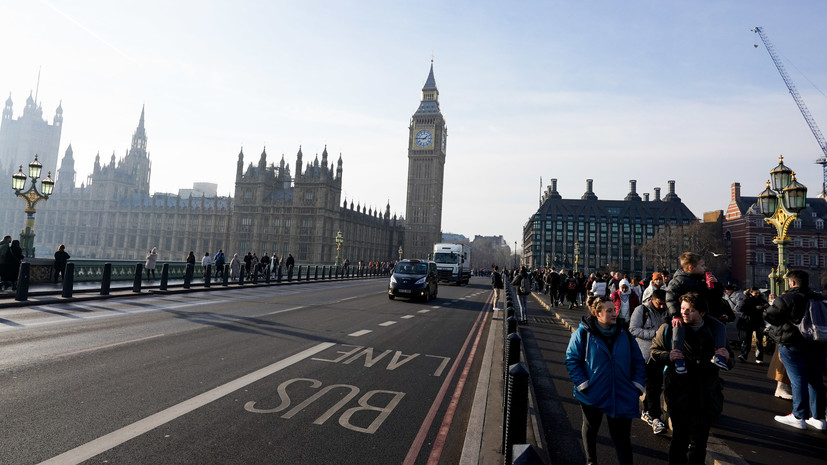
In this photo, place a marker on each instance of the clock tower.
(427, 136)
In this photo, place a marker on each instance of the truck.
(453, 262)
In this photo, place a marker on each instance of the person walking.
(151, 260)
(655, 283)
(205, 262)
(219, 260)
(752, 322)
(61, 257)
(523, 284)
(803, 359)
(235, 267)
(605, 364)
(625, 301)
(646, 319)
(695, 397)
(5, 256)
(497, 285)
(14, 258)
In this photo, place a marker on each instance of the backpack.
(572, 284)
(525, 285)
(813, 325)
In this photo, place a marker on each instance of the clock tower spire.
(427, 136)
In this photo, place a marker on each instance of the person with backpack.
(523, 284)
(605, 364)
(646, 319)
(497, 285)
(752, 321)
(803, 358)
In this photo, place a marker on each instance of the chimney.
(554, 194)
(645, 196)
(589, 195)
(657, 194)
(736, 191)
(672, 196)
(632, 195)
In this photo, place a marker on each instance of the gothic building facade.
(427, 137)
(274, 209)
(29, 134)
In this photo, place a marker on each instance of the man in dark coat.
(694, 398)
(803, 359)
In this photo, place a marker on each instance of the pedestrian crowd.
(642, 344)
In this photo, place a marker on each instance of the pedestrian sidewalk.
(747, 422)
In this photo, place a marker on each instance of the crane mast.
(801, 106)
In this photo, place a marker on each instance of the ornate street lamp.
(32, 197)
(400, 253)
(780, 204)
(576, 256)
(339, 241)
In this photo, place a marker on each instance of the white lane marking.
(387, 323)
(407, 317)
(107, 346)
(423, 311)
(284, 311)
(361, 332)
(436, 306)
(116, 438)
(348, 298)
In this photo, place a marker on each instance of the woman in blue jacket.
(608, 372)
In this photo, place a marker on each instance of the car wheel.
(390, 296)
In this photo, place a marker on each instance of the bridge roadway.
(329, 372)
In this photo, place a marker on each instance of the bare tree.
(663, 250)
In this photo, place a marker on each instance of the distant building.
(750, 247)
(455, 238)
(29, 135)
(609, 232)
(200, 189)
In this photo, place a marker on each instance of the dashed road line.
(360, 332)
(407, 317)
(424, 311)
(387, 323)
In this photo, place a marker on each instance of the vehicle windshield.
(445, 257)
(411, 268)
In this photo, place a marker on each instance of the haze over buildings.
(600, 90)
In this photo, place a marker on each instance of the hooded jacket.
(683, 282)
(631, 298)
(608, 372)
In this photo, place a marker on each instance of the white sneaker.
(791, 420)
(820, 425)
(658, 427)
(495, 308)
(783, 391)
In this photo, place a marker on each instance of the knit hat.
(656, 275)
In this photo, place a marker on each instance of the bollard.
(255, 276)
(225, 275)
(188, 275)
(516, 411)
(106, 279)
(164, 277)
(316, 273)
(68, 280)
(307, 276)
(289, 274)
(241, 277)
(267, 274)
(511, 324)
(207, 276)
(22, 291)
(139, 274)
(279, 274)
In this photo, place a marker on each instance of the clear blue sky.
(613, 91)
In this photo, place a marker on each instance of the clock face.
(423, 138)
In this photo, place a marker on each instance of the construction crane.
(801, 106)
